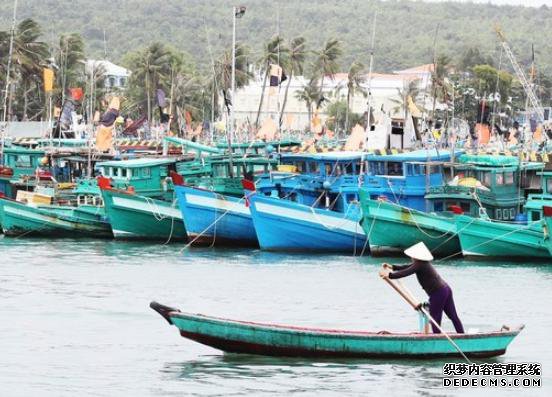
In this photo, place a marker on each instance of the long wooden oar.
(416, 305)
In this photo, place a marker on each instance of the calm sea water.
(75, 321)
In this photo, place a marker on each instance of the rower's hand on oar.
(384, 272)
(387, 266)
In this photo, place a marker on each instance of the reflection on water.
(74, 319)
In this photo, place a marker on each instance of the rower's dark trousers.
(441, 301)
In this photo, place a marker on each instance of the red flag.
(76, 93)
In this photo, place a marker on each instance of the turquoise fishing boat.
(391, 227)
(80, 214)
(233, 336)
(524, 238)
(19, 169)
(491, 186)
(139, 200)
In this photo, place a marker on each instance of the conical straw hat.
(419, 251)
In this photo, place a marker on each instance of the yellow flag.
(104, 138)
(48, 77)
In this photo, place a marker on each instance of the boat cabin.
(321, 180)
(222, 175)
(147, 176)
(484, 181)
(405, 178)
(18, 169)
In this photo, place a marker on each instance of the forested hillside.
(404, 36)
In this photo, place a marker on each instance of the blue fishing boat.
(214, 208)
(317, 208)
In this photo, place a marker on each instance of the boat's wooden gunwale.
(336, 332)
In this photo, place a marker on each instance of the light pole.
(237, 12)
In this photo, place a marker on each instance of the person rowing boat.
(439, 292)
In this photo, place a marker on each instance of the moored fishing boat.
(214, 207)
(314, 207)
(319, 210)
(391, 227)
(484, 185)
(524, 238)
(139, 199)
(278, 340)
(24, 218)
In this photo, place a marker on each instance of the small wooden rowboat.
(278, 340)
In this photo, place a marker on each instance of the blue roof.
(416, 155)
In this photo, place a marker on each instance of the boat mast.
(369, 103)
(371, 65)
(7, 88)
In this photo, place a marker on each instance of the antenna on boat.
(6, 92)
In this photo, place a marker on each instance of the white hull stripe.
(220, 205)
(150, 207)
(121, 233)
(329, 222)
(36, 217)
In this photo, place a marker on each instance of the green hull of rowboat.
(21, 219)
(138, 217)
(480, 237)
(393, 228)
(277, 340)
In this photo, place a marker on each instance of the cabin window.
(111, 171)
(348, 169)
(350, 198)
(313, 167)
(549, 185)
(509, 178)
(394, 168)
(434, 169)
(377, 168)
(23, 161)
(146, 172)
(498, 214)
(438, 206)
(512, 213)
(535, 216)
(499, 178)
(301, 166)
(330, 169)
(465, 207)
(485, 179)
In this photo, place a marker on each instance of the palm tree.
(275, 52)
(355, 79)
(439, 83)
(310, 94)
(222, 78)
(297, 54)
(152, 65)
(326, 60)
(410, 90)
(28, 56)
(70, 56)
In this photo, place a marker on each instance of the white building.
(384, 88)
(115, 76)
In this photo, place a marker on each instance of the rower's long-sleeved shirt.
(426, 274)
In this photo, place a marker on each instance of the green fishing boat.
(392, 228)
(43, 213)
(139, 201)
(523, 238)
(279, 340)
(492, 186)
(19, 169)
